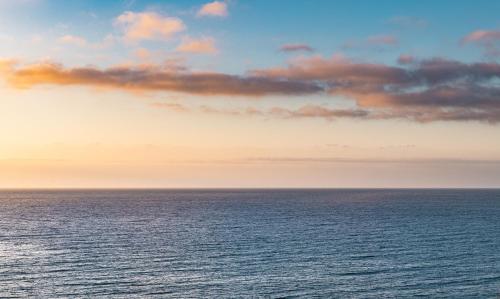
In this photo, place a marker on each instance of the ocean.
(250, 243)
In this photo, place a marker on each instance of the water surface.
(250, 243)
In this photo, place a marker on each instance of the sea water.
(250, 243)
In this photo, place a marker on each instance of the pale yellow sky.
(75, 137)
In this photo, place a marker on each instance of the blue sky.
(254, 30)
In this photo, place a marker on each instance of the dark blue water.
(283, 243)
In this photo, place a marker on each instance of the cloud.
(427, 90)
(148, 26)
(296, 48)
(406, 59)
(155, 78)
(488, 39)
(214, 9)
(247, 111)
(306, 111)
(312, 111)
(81, 42)
(341, 74)
(482, 36)
(142, 54)
(382, 40)
(317, 111)
(204, 45)
(368, 160)
(318, 68)
(73, 40)
(171, 106)
(7, 65)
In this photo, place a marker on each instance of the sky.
(249, 94)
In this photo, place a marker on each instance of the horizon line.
(234, 188)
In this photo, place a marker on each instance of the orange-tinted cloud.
(420, 90)
(148, 26)
(155, 79)
(142, 53)
(204, 45)
(7, 65)
(214, 9)
(73, 40)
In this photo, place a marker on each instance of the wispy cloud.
(313, 111)
(488, 39)
(81, 42)
(214, 9)
(306, 111)
(148, 26)
(317, 111)
(171, 106)
(296, 48)
(73, 40)
(203, 45)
